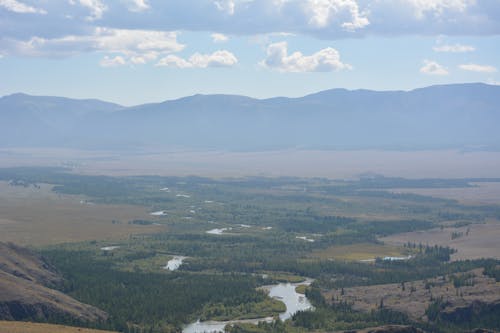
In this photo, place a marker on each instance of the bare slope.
(25, 279)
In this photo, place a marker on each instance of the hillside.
(25, 327)
(456, 116)
(25, 290)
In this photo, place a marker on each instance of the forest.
(267, 231)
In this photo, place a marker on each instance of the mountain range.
(435, 117)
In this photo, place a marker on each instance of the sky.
(139, 51)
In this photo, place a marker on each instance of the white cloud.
(174, 61)
(478, 68)
(219, 38)
(140, 46)
(21, 8)
(325, 60)
(144, 58)
(323, 19)
(323, 12)
(225, 6)
(221, 58)
(438, 7)
(96, 7)
(433, 68)
(456, 48)
(112, 62)
(139, 5)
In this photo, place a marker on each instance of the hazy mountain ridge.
(444, 116)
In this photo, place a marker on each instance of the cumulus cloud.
(433, 68)
(96, 7)
(138, 45)
(438, 7)
(225, 6)
(21, 8)
(478, 68)
(324, 19)
(112, 62)
(322, 13)
(221, 58)
(456, 48)
(138, 5)
(325, 60)
(219, 38)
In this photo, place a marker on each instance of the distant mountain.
(447, 116)
(47, 121)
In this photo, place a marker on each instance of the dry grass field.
(31, 216)
(480, 242)
(25, 327)
(482, 193)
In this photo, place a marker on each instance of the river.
(285, 292)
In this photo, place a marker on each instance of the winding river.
(285, 292)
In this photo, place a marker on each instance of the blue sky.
(137, 51)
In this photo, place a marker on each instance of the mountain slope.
(26, 294)
(446, 116)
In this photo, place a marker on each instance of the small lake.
(284, 292)
(305, 239)
(158, 213)
(174, 263)
(218, 231)
(110, 248)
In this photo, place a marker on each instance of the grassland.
(37, 216)
(473, 241)
(483, 193)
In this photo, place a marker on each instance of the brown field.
(32, 217)
(358, 252)
(481, 241)
(482, 193)
(303, 163)
(25, 327)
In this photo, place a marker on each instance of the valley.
(343, 235)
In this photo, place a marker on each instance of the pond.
(174, 263)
